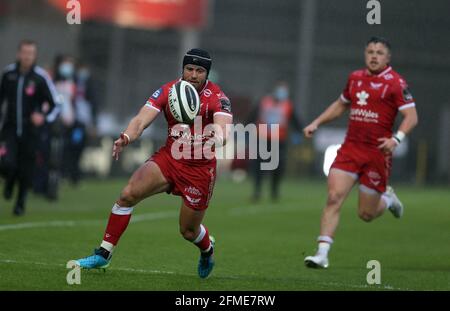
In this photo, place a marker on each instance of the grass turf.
(259, 246)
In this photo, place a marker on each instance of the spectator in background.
(275, 108)
(54, 138)
(73, 131)
(85, 120)
(27, 95)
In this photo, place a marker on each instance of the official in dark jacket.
(27, 98)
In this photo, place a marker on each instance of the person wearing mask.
(275, 108)
(27, 95)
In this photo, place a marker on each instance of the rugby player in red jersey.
(192, 178)
(374, 95)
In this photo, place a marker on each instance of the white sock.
(323, 249)
(108, 246)
(387, 199)
(324, 245)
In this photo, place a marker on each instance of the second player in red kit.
(374, 96)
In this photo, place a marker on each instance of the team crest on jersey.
(30, 89)
(362, 98)
(157, 93)
(374, 178)
(359, 83)
(375, 86)
(207, 92)
(388, 76)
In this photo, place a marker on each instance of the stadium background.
(312, 44)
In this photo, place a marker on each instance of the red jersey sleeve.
(402, 96)
(158, 100)
(222, 105)
(345, 96)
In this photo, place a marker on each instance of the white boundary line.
(386, 287)
(249, 210)
(10, 261)
(73, 223)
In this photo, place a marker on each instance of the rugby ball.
(184, 102)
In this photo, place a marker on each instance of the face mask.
(281, 93)
(66, 70)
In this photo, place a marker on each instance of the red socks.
(117, 223)
(202, 241)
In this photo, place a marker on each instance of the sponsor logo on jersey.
(375, 86)
(364, 115)
(362, 98)
(157, 93)
(192, 190)
(185, 136)
(225, 104)
(407, 96)
(192, 200)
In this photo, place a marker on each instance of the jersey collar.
(389, 68)
(385, 71)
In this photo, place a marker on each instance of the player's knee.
(366, 216)
(334, 199)
(187, 234)
(128, 197)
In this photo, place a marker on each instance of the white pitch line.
(388, 287)
(250, 210)
(73, 223)
(10, 261)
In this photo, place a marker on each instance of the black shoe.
(8, 190)
(19, 210)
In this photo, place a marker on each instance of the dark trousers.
(74, 143)
(276, 174)
(18, 164)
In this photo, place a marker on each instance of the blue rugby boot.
(206, 262)
(96, 261)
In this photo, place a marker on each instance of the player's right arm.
(142, 120)
(334, 111)
(134, 129)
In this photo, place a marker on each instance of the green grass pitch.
(259, 247)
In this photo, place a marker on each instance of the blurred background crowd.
(106, 67)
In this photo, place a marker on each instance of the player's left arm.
(220, 130)
(410, 119)
(222, 122)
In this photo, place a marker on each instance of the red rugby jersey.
(213, 101)
(374, 103)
